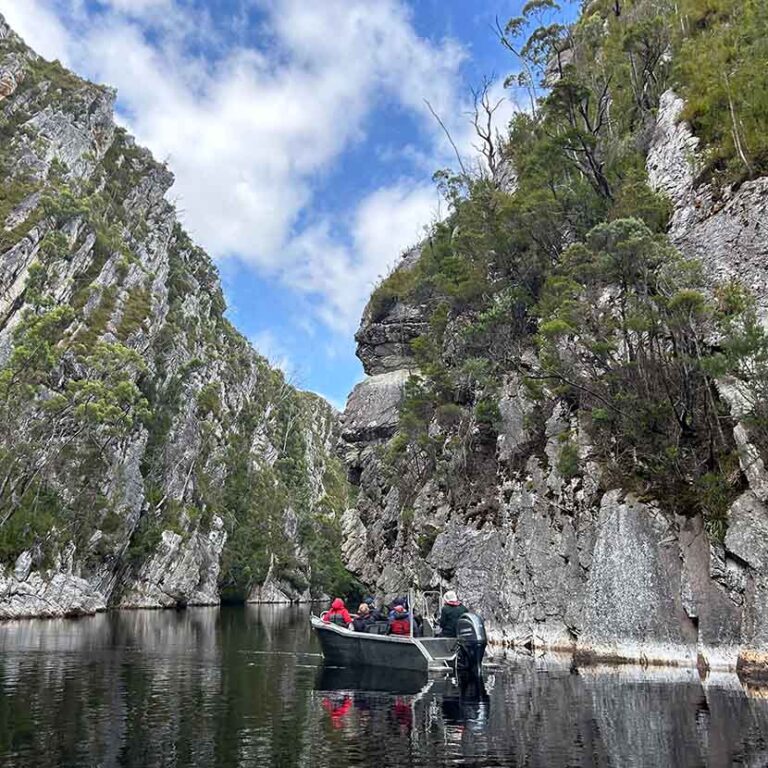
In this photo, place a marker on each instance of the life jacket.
(337, 618)
(400, 626)
(338, 614)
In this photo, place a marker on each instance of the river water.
(247, 687)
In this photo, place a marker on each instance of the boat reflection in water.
(466, 703)
(370, 680)
(406, 701)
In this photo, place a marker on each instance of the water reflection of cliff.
(243, 686)
(147, 687)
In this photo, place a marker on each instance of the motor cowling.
(470, 632)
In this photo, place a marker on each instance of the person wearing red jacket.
(400, 623)
(338, 614)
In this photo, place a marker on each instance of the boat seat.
(378, 628)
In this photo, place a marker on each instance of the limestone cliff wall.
(558, 563)
(228, 458)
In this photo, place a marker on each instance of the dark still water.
(246, 687)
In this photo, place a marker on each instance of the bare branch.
(449, 137)
(482, 119)
(529, 79)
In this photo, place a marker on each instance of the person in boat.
(338, 614)
(450, 613)
(400, 623)
(398, 601)
(363, 620)
(418, 623)
(373, 611)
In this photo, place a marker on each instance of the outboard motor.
(470, 631)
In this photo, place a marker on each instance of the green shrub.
(719, 68)
(208, 401)
(136, 310)
(396, 286)
(29, 522)
(642, 366)
(487, 412)
(568, 462)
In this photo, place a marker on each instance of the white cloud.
(246, 135)
(137, 7)
(385, 224)
(39, 25)
(248, 131)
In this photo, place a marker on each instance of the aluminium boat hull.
(346, 648)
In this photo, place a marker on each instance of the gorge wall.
(149, 457)
(554, 558)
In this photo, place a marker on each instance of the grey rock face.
(514, 408)
(544, 573)
(278, 591)
(726, 231)
(747, 535)
(712, 594)
(553, 561)
(633, 605)
(372, 408)
(384, 345)
(53, 593)
(671, 157)
(182, 571)
(475, 558)
(81, 142)
(388, 327)
(751, 462)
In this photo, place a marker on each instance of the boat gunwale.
(344, 632)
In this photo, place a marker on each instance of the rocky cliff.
(517, 512)
(148, 455)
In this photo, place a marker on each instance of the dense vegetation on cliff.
(568, 280)
(146, 450)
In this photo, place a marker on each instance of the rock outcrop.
(182, 570)
(553, 561)
(150, 457)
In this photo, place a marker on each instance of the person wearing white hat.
(449, 614)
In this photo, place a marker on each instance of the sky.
(299, 135)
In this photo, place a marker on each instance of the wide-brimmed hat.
(450, 597)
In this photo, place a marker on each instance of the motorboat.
(344, 647)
